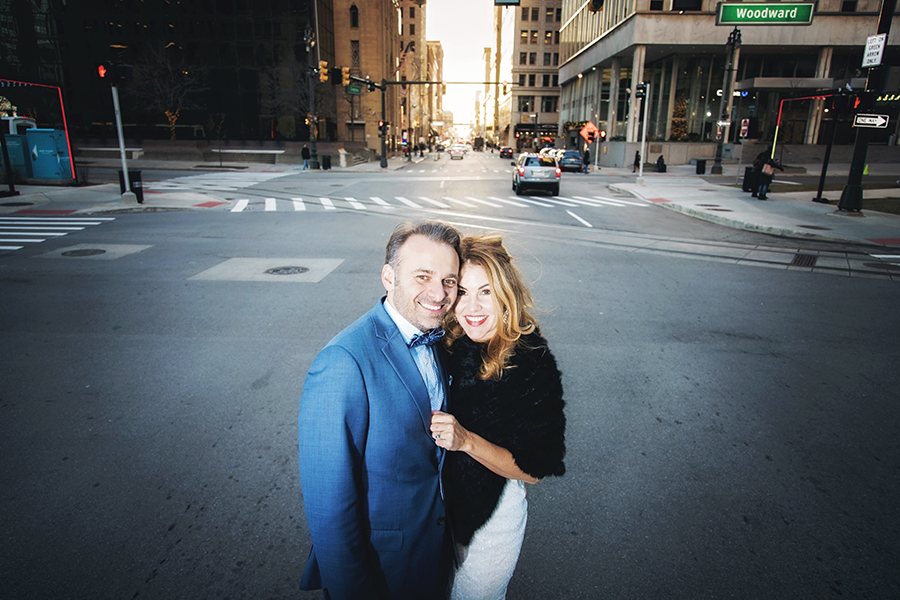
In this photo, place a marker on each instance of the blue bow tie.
(429, 338)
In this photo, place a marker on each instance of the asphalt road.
(730, 427)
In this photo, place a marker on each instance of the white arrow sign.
(876, 121)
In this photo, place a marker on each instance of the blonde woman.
(505, 424)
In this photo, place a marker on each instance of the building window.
(546, 82)
(556, 37)
(535, 13)
(526, 104)
(556, 81)
(556, 59)
(558, 15)
(532, 58)
(549, 104)
(523, 37)
(531, 80)
(534, 37)
(412, 12)
(546, 59)
(548, 15)
(522, 80)
(679, 5)
(656, 4)
(523, 58)
(412, 29)
(548, 37)
(354, 54)
(354, 16)
(525, 14)
(848, 6)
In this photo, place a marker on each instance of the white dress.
(488, 562)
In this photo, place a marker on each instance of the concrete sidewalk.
(792, 214)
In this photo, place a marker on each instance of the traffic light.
(106, 71)
(863, 101)
(381, 126)
(443, 88)
(602, 136)
(640, 90)
(345, 76)
(323, 71)
(504, 87)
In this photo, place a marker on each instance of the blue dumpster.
(17, 146)
(49, 154)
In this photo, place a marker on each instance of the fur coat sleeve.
(523, 412)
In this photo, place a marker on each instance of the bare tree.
(165, 82)
(283, 88)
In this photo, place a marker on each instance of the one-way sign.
(875, 121)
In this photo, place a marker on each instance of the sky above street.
(464, 28)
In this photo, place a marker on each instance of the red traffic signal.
(602, 135)
(106, 70)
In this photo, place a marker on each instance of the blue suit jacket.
(369, 467)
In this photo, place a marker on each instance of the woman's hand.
(447, 432)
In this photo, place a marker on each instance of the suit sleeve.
(332, 429)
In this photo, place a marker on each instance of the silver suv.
(535, 172)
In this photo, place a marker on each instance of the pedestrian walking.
(758, 162)
(637, 162)
(765, 176)
(304, 154)
(660, 164)
(586, 160)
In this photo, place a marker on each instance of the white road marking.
(579, 218)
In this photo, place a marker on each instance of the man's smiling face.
(422, 286)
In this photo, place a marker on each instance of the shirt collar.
(407, 329)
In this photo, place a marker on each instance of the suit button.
(441, 521)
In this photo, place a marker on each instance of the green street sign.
(354, 89)
(771, 13)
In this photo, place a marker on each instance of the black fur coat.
(523, 412)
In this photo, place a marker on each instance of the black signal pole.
(852, 196)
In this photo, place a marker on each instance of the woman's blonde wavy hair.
(511, 298)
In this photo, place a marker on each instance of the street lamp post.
(734, 42)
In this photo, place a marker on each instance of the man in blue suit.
(369, 468)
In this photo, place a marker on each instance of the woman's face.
(475, 308)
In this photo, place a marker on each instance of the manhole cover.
(17, 204)
(287, 271)
(816, 227)
(708, 205)
(883, 266)
(84, 252)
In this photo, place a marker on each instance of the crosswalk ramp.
(430, 202)
(18, 232)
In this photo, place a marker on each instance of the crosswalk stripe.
(535, 202)
(584, 201)
(562, 201)
(620, 201)
(580, 219)
(485, 202)
(30, 228)
(45, 233)
(407, 201)
(327, 203)
(356, 204)
(435, 202)
(271, 205)
(609, 203)
(380, 202)
(58, 219)
(512, 202)
(11, 247)
(241, 205)
(47, 222)
(463, 202)
(298, 204)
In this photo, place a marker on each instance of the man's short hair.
(436, 231)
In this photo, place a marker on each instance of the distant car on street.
(535, 172)
(506, 152)
(457, 151)
(439, 147)
(571, 160)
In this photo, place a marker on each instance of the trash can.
(701, 166)
(749, 180)
(134, 178)
(326, 162)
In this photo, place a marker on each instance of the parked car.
(535, 172)
(571, 160)
(506, 152)
(457, 151)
